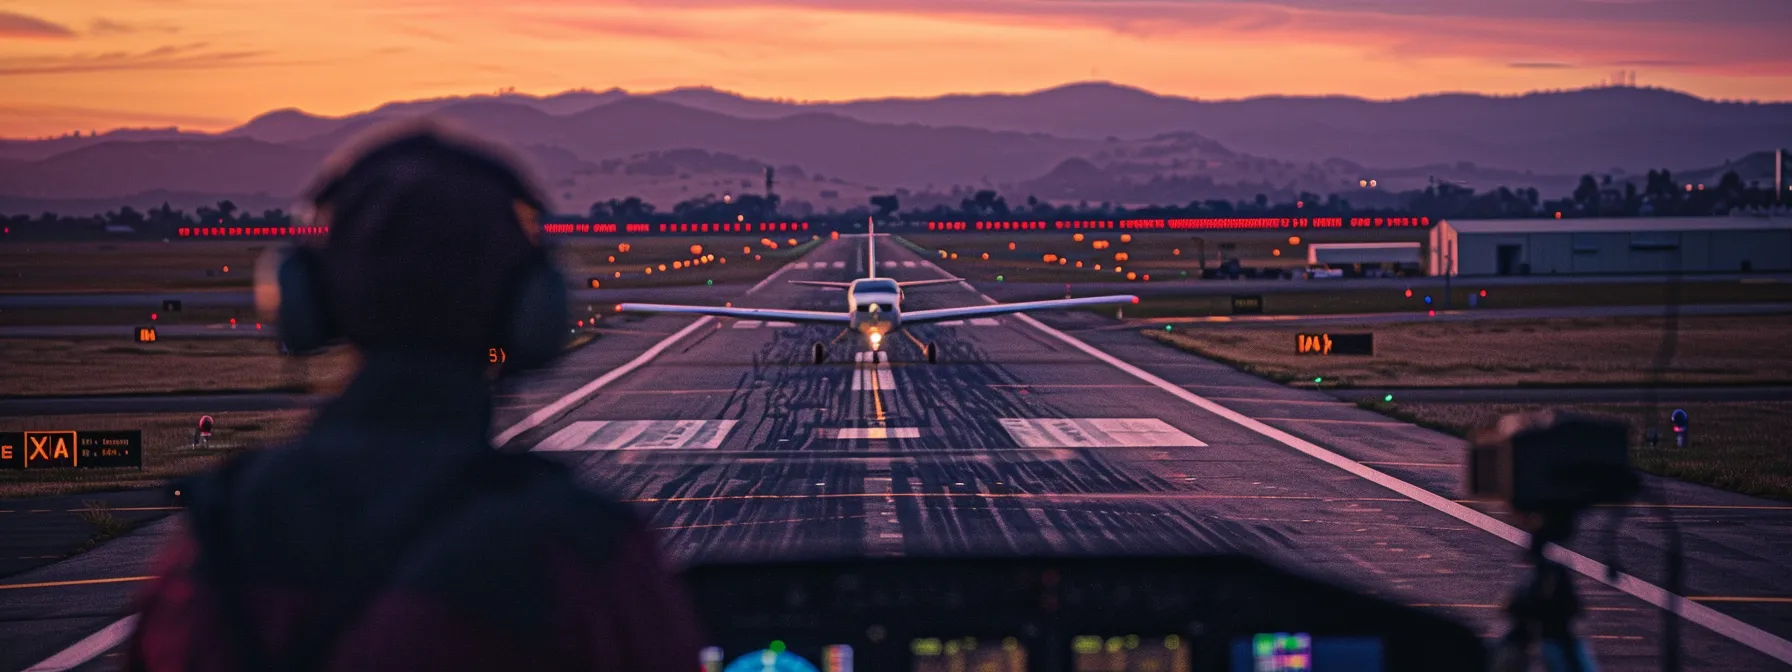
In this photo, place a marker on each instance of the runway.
(1019, 442)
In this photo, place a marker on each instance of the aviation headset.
(532, 321)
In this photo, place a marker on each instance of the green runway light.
(998, 278)
(777, 646)
(709, 282)
(1318, 380)
(1388, 398)
(1169, 327)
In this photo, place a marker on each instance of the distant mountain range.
(1095, 142)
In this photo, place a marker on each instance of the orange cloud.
(341, 56)
(15, 25)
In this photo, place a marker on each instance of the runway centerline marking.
(77, 582)
(848, 433)
(1711, 619)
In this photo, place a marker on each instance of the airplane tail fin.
(871, 247)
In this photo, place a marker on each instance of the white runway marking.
(889, 264)
(985, 322)
(910, 264)
(779, 325)
(588, 435)
(801, 265)
(89, 647)
(1096, 433)
(883, 528)
(1723, 624)
(747, 324)
(951, 323)
(839, 264)
(872, 375)
(870, 433)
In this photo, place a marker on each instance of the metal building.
(1612, 246)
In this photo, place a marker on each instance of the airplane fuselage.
(876, 308)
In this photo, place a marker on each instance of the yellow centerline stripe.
(80, 582)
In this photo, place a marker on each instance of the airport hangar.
(1547, 246)
(1738, 244)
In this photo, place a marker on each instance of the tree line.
(1659, 195)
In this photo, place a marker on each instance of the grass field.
(1308, 297)
(53, 367)
(1164, 255)
(167, 448)
(737, 258)
(1581, 351)
(188, 265)
(1738, 446)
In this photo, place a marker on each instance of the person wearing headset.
(392, 535)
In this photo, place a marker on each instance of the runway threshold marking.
(1096, 433)
(873, 374)
(111, 635)
(600, 435)
(1727, 626)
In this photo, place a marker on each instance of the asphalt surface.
(1017, 291)
(734, 447)
(1559, 395)
(246, 298)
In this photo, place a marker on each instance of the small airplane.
(874, 307)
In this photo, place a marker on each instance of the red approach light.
(1409, 293)
(1431, 313)
(152, 316)
(1483, 293)
(1135, 299)
(257, 325)
(233, 321)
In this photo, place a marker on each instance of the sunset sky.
(212, 64)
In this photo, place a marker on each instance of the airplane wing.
(941, 314)
(919, 283)
(820, 283)
(741, 313)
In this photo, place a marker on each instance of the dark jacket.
(393, 537)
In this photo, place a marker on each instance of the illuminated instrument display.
(1301, 652)
(968, 654)
(146, 334)
(495, 356)
(1130, 653)
(777, 657)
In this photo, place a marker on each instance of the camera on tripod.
(1551, 463)
(1549, 467)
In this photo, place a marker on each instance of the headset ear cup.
(537, 331)
(304, 318)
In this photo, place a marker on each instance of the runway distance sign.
(71, 449)
(1334, 344)
(146, 334)
(1247, 305)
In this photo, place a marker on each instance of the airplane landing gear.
(933, 353)
(821, 353)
